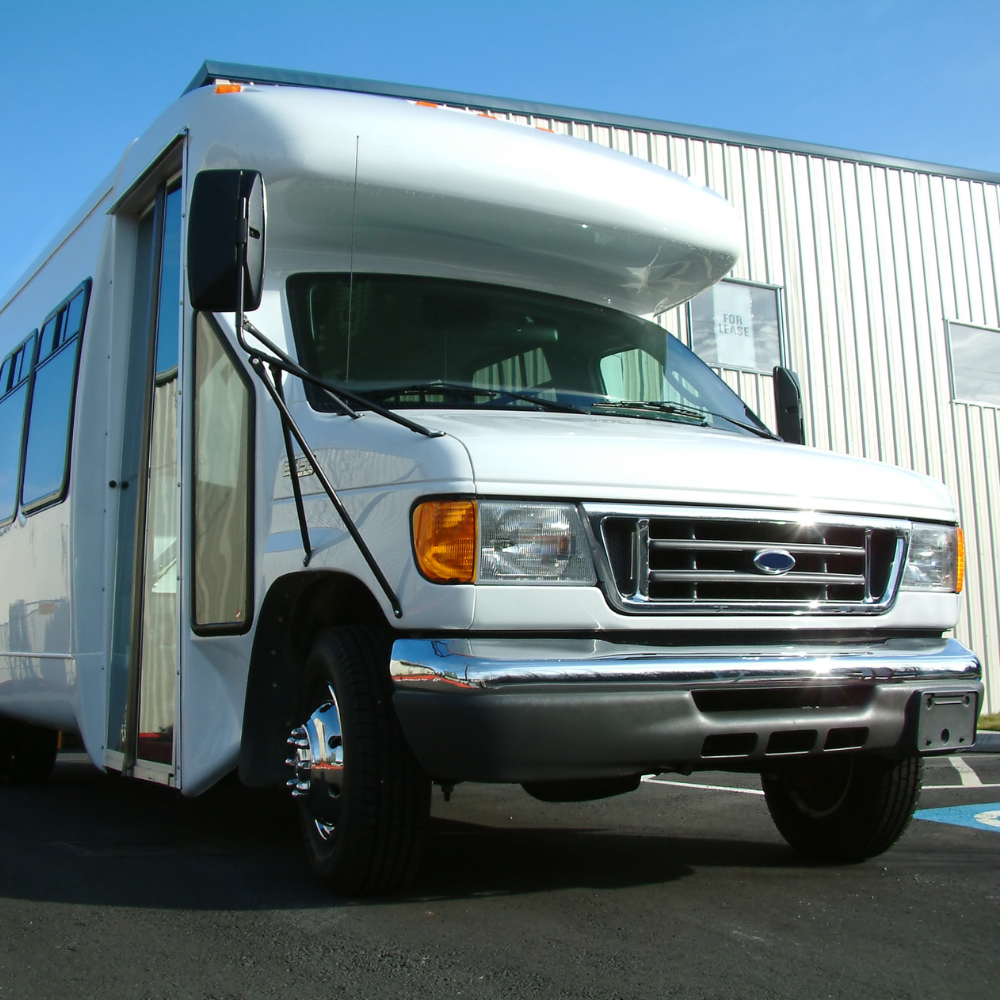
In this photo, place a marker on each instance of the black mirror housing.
(788, 406)
(226, 228)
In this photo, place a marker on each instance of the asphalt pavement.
(111, 888)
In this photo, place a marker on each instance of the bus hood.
(637, 459)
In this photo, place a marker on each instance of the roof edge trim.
(242, 73)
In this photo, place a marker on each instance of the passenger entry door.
(142, 689)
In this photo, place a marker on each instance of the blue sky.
(909, 78)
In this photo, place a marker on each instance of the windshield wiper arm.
(687, 413)
(678, 409)
(474, 390)
(760, 431)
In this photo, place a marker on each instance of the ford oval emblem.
(774, 562)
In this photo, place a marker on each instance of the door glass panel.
(168, 328)
(158, 662)
(129, 493)
(220, 494)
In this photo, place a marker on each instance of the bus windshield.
(405, 341)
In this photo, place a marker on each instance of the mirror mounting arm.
(293, 473)
(292, 428)
(342, 397)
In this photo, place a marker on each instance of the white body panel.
(436, 193)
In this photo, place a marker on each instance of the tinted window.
(22, 361)
(168, 313)
(50, 336)
(11, 423)
(14, 374)
(74, 317)
(46, 456)
(50, 421)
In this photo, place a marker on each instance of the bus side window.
(13, 392)
(223, 460)
(49, 337)
(50, 422)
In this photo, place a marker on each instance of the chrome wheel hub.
(318, 760)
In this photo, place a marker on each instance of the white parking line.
(709, 788)
(983, 784)
(969, 777)
(756, 791)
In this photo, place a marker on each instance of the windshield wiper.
(759, 430)
(687, 414)
(461, 389)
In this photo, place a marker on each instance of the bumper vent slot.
(852, 738)
(789, 699)
(792, 741)
(729, 745)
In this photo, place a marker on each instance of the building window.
(975, 363)
(735, 324)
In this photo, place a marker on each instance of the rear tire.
(845, 808)
(364, 830)
(27, 753)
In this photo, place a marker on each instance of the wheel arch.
(296, 608)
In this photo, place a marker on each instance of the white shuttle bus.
(339, 445)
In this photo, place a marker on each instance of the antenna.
(350, 280)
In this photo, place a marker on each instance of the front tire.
(844, 808)
(364, 810)
(27, 753)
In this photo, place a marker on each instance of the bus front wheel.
(363, 798)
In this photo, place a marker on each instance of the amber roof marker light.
(959, 561)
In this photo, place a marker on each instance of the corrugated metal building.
(884, 279)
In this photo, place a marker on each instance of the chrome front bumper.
(550, 709)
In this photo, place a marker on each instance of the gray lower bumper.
(551, 709)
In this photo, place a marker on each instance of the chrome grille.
(703, 560)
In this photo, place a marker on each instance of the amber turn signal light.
(444, 540)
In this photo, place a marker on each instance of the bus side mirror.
(225, 235)
(788, 406)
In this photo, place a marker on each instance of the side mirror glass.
(225, 236)
(788, 406)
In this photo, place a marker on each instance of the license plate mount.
(946, 720)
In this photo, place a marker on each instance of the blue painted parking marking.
(985, 816)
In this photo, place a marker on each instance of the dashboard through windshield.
(405, 341)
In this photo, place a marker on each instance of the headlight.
(935, 559)
(496, 542)
(533, 543)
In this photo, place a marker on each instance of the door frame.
(149, 189)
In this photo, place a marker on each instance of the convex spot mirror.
(225, 230)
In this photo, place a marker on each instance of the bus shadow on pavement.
(90, 839)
